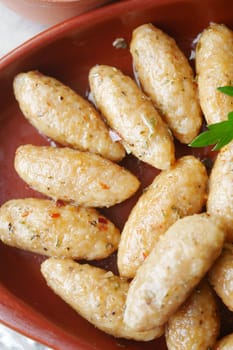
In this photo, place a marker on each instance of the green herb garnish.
(218, 134)
(227, 90)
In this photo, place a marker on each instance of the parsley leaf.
(228, 90)
(218, 134)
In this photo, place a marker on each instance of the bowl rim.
(60, 29)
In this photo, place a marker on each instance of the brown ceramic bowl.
(67, 51)
(52, 11)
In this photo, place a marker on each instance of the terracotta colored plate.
(67, 52)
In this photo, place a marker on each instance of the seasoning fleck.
(104, 186)
(102, 220)
(54, 215)
(10, 227)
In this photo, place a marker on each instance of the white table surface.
(14, 30)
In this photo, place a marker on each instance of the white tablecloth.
(14, 30)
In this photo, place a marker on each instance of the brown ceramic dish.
(67, 52)
(52, 11)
